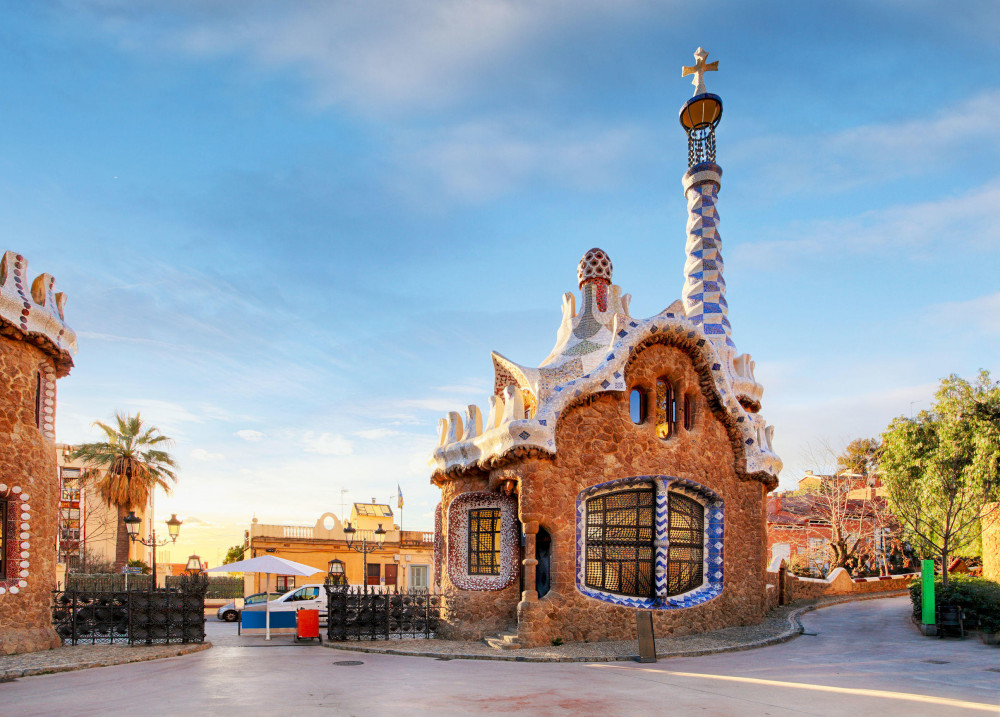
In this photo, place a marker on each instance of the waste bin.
(307, 625)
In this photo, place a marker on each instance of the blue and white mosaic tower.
(704, 291)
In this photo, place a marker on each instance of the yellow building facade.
(404, 561)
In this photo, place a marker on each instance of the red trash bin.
(307, 625)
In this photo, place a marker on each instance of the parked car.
(307, 596)
(230, 613)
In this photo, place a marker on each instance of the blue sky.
(290, 233)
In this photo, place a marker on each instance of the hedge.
(979, 597)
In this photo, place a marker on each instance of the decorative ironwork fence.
(147, 616)
(219, 587)
(357, 614)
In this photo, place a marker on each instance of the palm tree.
(126, 468)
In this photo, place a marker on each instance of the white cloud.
(250, 435)
(373, 54)
(974, 216)
(327, 444)
(844, 159)
(200, 454)
(980, 315)
(374, 434)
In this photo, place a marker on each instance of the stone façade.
(598, 441)
(36, 348)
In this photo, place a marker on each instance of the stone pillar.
(529, 563)
(704, 291)
(990, 523)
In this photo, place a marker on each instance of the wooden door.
(391, 570)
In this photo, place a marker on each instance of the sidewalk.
(78, 657)
(780, 625)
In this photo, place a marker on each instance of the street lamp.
(193, 566)
(335, 575)
(349, 531)
(132, 522)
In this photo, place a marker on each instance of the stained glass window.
(666, 408)
(484, 541)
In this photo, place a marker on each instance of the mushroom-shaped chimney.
(594, 267)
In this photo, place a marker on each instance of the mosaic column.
(661, 543)
(704, 290)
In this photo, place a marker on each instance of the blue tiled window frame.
(714, 570)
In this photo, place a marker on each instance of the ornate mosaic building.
(628, 471)
(35, 350)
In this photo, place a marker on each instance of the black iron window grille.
(686, 534)
(620, 537)
(484, 541)
(3, 538)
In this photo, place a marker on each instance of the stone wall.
(839, 582)
(990, 520)
(597, 442)
(468, 614)
(27, 467)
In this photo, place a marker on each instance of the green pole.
(927, 591)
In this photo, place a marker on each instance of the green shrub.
(976, 595)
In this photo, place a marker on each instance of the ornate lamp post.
(132, 522)
(193, 566)
(335, 575)
(349, 531)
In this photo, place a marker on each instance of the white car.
(308, 596)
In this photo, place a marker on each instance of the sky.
(291, 233)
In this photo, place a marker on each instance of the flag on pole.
(399, 499)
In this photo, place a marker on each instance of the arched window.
(38, 399)
(637, 405)
(666, 408)
(688, 412)
(3, 538)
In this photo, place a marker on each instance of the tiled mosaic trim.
(704, 290)
(458, 541)
(714, 543)
(438, 544)
(18, 546)
(48, 402)
(35, 309)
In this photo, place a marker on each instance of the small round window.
(637, 405)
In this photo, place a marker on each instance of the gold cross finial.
(698, 70)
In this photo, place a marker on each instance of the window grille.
(620, 536)
(685, 561)
(3, 538)
(484, 541)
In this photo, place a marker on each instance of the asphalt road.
(862, 659)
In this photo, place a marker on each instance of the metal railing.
(175, 614)
(373, 614)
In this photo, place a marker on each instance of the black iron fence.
(219, 587)
(144, 616)
(381, 614)
(107, 582)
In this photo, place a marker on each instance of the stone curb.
(794, 630)
(7, 675)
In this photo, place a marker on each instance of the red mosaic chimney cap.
(594, 266)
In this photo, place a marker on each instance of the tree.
(860, 457)
(126, 468)
(941, 468)
(234, 554)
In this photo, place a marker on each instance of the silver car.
(230, 613)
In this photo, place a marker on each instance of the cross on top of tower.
(698, 70)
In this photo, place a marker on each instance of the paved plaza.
(862, 658)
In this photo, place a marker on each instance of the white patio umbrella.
(267, 564)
